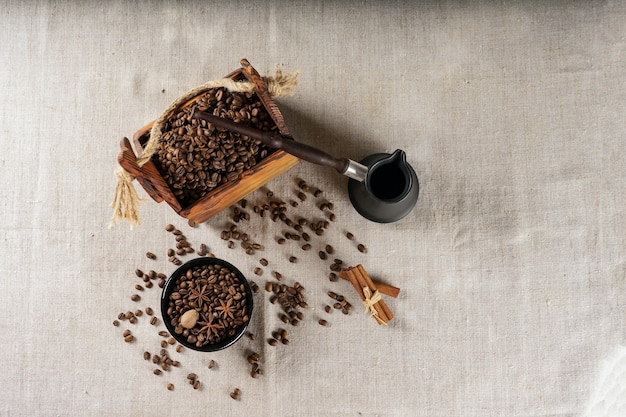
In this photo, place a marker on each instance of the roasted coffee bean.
(306, 246)
(322, 255)
(277, 275)
(263, 261)
(332, 277)
(317, 193)
(157, 372)
(138, 313)
(328, 309)
(180, 348)
(235, 394)
(139, 273)
(170, 387)
(293, 259)
(135, 297)
(154, 321)
(116, 323)
(258, 271)
(272, 341)
(150, 255)
(332, 217)
(322, 322)
(350, 236)
(361, 248)
(329, 249)
(302, 196)
(149, 311)
(170, 227)
(146, 356)
(211, 364)
(129, 338)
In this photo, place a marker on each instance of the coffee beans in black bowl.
(206, 304)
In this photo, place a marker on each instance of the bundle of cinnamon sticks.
(370, 292)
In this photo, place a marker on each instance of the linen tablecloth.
(512, 266)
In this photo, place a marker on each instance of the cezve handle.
(305, 152)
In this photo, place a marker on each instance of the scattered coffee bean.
(116, 323)
(263, 261)
(322, 255)
(235, 394)
(170, 387)
(350, 236)
(150, 255)
(361, 248)
(146, 356)
(293, 259)
(258, 271)
(149, 311)
(329, 249)
(212, 364)
(135, 297)
(272, 341)
(170, 227)
(157, 372)
(154, 321)
(322, 322)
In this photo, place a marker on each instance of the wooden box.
(225, 194)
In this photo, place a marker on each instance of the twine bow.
(369, 301)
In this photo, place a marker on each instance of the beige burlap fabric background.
(512, 265)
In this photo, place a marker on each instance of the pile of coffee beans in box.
(195, 157)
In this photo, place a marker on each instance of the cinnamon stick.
(374, 288)
(383, 288)
(359, 283)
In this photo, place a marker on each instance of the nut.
(189, 319)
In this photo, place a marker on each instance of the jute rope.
(369, 301)
(125, 202)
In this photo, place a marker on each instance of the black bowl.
(169, 287)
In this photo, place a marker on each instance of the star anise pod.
(226, 308)
(209, 327)
(199, 295)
